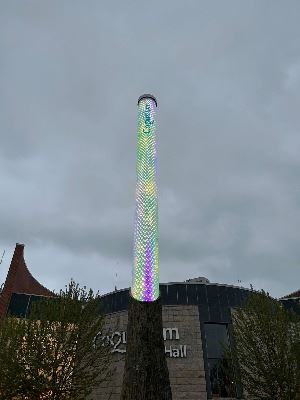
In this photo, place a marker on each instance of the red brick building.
(19, 281)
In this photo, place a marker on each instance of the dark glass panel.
(18, 304)
(115, 301)
(225, 314)
(213, 303)
(121, 302)
(172, 294)
(212, 296)
(215, 335)
(220, 384)
(192, 294)
(118, 305)
(125, 299)
(223, 299)
(232, 298)
(112, 303)
(215, 314)
(203, 313)
(213, 375)
(118, 301)
(163, 294)
(205, 359)
(107, 304)
(181, 294)
(202, 294)
(224, 309)
(238, 295)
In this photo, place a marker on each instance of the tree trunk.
(146, 374)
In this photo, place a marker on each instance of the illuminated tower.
(145, 279)
(146, 375)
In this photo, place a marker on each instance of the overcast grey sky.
(227, 78)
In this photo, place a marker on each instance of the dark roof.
(20, 280)
(292, 295)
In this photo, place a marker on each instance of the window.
(220, 382)
(215, 334)
(213, 302)
(18, 304)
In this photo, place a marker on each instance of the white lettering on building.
(170, 332)
(117, 339)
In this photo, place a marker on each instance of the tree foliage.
(265, 353)
(51, 353)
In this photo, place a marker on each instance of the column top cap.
(147, 96)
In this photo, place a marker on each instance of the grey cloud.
(227, 78)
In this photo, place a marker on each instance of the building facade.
(196, 322)
(196, 319)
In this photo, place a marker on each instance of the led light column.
(145, 279)
(146, 375)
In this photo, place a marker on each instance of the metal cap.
(147, 96)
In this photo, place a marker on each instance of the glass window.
(212, 295)
(223, 296)
(203, 312)
(225, 315)
(220, 383)
(215, 314)
(18, 304)
(213, 303)
(215, 335)
(238, 294)
(163, 294)
(192, 294)
(224, 308)
(118, 305)
(202, 294)
(112, 302)
(181, 294)
(172, 294)
(233, 297)
(125, 300)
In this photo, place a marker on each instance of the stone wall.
(184, 354)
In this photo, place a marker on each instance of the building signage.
(118, 339)
(147, 120)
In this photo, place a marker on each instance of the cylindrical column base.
(146, 374)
